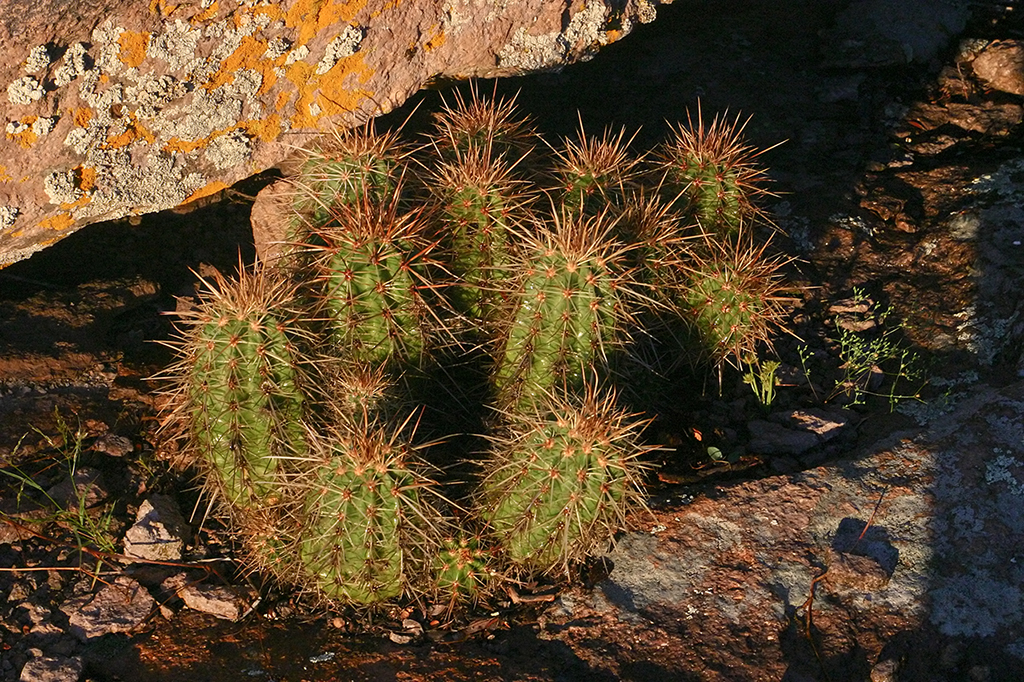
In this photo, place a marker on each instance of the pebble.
(228, 603)
(52, 669)
(159, 532)
(119, 607)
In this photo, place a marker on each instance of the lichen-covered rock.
(126, 107)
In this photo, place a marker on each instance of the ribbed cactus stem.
(713, 171)
(480, 207)
(367, 526)
(595, 175)
(370, 272)
(733, 301)
(239, 391)
(349, 167)
(562, 482)
(569, 311)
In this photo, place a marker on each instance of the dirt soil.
(869, 181)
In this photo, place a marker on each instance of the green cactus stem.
(713, 171)
(562, 481)
(733, 299)
(485, 126)
(371, 275)
(350, 166)
(571, 310)
(238, 396)
(367, 527)
(463, 570)
(481, 205)
(595, 175)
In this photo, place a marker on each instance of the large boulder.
(124, 107)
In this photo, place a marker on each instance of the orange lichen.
(86, 176)
(176, 145)
(436, 39)
(282, 99)
(134, 131)
(4, 177)
(27, 137)
(133, 47)
(81, 117)
(61, 221)
(266, 129)
(313, 16)
(211, 188)
(248, 55)
(335, 92)
(207, 13)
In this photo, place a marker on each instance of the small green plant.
(760, 376)
(93, 531)
(875, 362)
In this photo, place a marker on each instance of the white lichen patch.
(297, 55)
(106, 40)
(278, 47)
(72, 65)
(527, 52)
(228, 150)
(125, 185)
(38, 59)
(344, 45)
(8, 214)
(16, 127)
(178, 46)
(1001, 470)
(211, 110)
(62, 187)
(24, 91)
(43, 125)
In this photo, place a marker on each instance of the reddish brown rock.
(1001, 66)
(124, 107)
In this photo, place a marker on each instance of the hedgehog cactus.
(570, 311)
(713, 171)
(367, 527)
(238, 395)
(562, 482)
(370, 273)
(350, 167)
(595, 175)
(733, 301)
(480, 205)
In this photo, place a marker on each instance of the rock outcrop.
(124, 107)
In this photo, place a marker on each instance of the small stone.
(119, 607)
(769, 438)
(885, 671)
(855, 571)
(824, 423)
(113, 445)
(229, 603)
(159, 533)
(52, 669)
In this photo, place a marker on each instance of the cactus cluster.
(479, 245)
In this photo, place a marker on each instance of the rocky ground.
(866, 525)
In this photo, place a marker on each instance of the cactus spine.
(562, 482)
(569, 312)
(239, 395)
